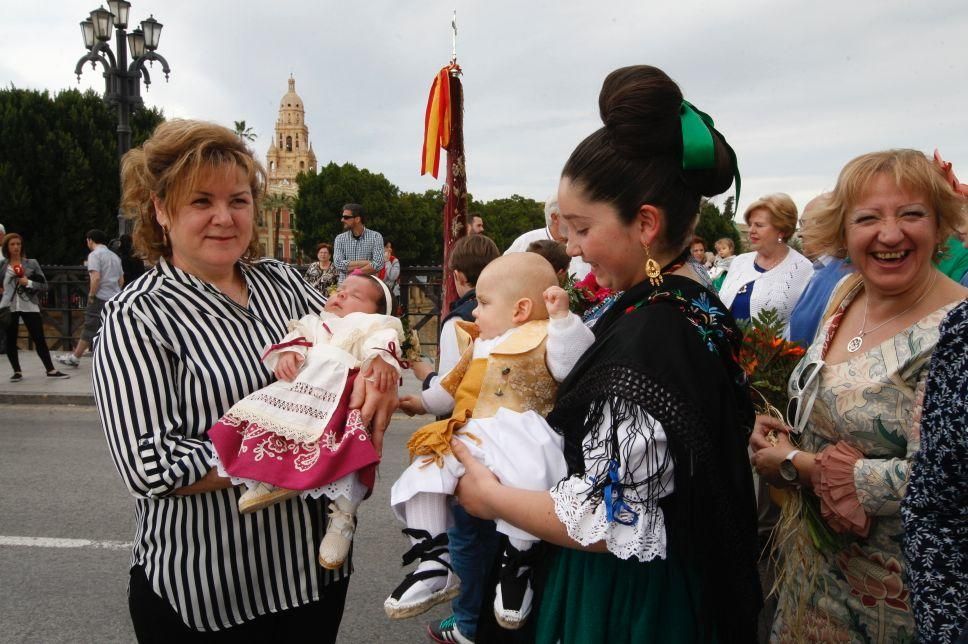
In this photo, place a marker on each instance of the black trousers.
(35, 327)
(156, 621)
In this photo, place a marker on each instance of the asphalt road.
(58, 483)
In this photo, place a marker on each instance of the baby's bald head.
(519, 275)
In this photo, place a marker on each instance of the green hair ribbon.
(698, 144)
(698, 147)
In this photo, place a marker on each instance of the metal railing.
(63, 304)
(421, 295)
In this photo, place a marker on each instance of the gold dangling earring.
(164, 237)
(652, 269)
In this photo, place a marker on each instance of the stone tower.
(290, 153)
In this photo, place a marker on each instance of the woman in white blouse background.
(773, 275)
(178, 347)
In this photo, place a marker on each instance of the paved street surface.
(66, 519)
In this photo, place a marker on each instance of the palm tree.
(244, 133)
(275, 203)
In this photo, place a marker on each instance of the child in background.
(473, 542)
(468, 258)
(725, 252)
(298, 435)
(499, 391)
(555, 253)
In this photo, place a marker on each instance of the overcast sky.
(798, 88)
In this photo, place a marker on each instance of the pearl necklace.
(856, 342)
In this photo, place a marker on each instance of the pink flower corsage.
(949, 175)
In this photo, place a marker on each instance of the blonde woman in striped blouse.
(177, 349)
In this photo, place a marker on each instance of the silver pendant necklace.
(856, 342)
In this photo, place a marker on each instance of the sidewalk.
(37, 389)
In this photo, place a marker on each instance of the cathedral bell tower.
(290, 153)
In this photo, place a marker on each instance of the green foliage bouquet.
(768, 361)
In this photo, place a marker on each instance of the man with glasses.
(357, 247)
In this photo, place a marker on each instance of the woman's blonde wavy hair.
(168, 166)
(782, 211)
(910, 169)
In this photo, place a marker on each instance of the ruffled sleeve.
(616, 499)
(833, 482)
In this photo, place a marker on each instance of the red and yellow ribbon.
(437, 122)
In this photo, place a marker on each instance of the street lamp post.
(122, 87)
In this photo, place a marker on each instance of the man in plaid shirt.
(358, 247)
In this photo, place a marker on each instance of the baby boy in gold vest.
(497, 395)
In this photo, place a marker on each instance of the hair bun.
(640, 107)
(717, 179)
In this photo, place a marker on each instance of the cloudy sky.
(798, 88)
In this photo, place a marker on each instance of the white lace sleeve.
(568, 339)
(644, 475)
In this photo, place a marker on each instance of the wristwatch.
(788, 471)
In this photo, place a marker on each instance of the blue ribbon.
(616, 509)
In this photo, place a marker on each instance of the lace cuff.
(586, 523)
(833, 482)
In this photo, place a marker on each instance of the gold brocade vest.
(514, 376)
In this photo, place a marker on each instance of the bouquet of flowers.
(586, 298)
(768, 361)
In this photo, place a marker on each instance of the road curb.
(86, 400)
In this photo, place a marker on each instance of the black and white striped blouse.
(173, 356)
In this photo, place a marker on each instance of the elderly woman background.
(853, 409)
(322, 274)
(178, 348)
(655, 517)
(773, 275)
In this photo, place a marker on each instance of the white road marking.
(46, 542)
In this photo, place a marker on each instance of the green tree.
(323, 194)
(505, 219)
(416, 229)
(412, 221)
(244, 133)
(729, 211)
(59, 168)
(714, 224)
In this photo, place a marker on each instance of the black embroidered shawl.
(670, 351)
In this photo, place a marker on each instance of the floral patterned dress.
(934, 510)
(322, 279)
(863, 427)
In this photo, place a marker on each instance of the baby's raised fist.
(556, 301)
